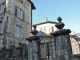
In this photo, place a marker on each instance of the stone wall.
(9, 22)
(14, 53)
(75, 46)
(33, 50)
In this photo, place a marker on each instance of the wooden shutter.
(23, 15)
(15, 10)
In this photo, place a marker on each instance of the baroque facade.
(15, 21)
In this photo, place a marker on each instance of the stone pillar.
(33, 45)
(62, 42)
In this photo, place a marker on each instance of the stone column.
(62, 42)
(33, 45)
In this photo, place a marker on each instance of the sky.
(68, 10)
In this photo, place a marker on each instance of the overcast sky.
(68, 10)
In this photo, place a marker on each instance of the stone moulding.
(60, 32)
(32, 38)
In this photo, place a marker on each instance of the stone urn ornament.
(60, 24)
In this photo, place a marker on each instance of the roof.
(40, 33)
(32, 4)
(45, 22)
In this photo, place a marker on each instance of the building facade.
(15, 21)
(75, 43)
(47, 26)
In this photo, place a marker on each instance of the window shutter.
(23, 15)
(16, 10)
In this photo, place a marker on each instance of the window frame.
(19, 13)
(18, 31)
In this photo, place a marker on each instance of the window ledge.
(19, 18)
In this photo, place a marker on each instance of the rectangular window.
(19, 13)
(17, 31)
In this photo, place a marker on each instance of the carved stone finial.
(60, 24)
(34, 32)
(59, 19)
(34, 26)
